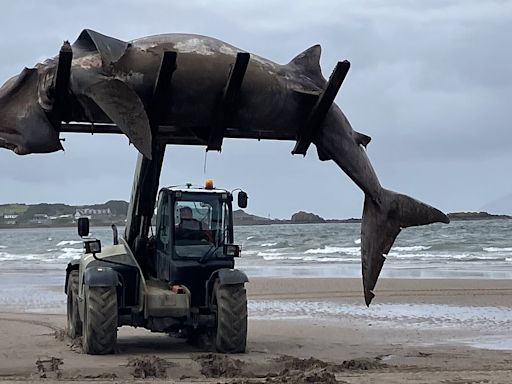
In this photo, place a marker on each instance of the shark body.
(112, 82)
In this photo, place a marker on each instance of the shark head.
(24, 126)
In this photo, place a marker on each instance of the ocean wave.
(445, 258)
(357, 241)
(4, 256)
(250, 237)
(412, 248)
(3, 246)
(497, 249)
(277, 244)
(421, 256)
(69, 242)
(70, 253)
(270, 253)
(249, 252)
(320, 259)
(353, 251)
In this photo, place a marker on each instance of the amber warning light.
(208, 184)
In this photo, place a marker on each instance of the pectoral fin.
(124, 107)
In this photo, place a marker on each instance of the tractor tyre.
(100, 320)
(74, 327)
(231, 330)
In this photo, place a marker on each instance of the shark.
(110, 88)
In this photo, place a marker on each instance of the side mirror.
(242, 199)
(83, 226)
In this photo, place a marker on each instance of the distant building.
(92, 212)
(10, 219)
(40, 219)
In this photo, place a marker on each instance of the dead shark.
(111, 88)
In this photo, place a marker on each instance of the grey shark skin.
(113, 81)
(24, 127)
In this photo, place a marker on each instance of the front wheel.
(100, 320)
(74, 328)
(231, 330)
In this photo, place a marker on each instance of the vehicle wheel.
(100, 320)
(231, 332)
(74, 328)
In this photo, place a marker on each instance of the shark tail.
(381, 224)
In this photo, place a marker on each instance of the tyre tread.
(231, 335)
(100, 326)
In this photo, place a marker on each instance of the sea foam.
(328, 250)
(68, 242)
(412, 248)
(497, 249)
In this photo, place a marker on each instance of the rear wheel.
(231, 331)
(100, 320)
(74, 328)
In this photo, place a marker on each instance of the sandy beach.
(300, 330)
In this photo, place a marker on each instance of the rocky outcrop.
(306, 218)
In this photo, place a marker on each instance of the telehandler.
(180, 280)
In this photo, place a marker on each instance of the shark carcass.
(196, 90)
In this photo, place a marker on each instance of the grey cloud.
(429, 82)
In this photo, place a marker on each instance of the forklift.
(180, 279)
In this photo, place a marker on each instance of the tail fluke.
(381, 224)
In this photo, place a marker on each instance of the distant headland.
(114, 212)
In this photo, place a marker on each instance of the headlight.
(92, 246)
(231, 250)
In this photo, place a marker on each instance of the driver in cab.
(190, 228)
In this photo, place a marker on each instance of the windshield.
(201, 225)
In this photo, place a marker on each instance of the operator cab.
(194, 236)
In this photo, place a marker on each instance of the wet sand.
(300, 330)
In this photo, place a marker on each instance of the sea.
(33, 261)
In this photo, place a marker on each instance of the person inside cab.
(189, 228)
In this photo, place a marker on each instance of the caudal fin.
(381, 224)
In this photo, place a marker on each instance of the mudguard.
(231, 276)
(101, 277)
(225, 276)
(73, 265)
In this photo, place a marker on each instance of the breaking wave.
(264, 254)
(412, 248)
(329, 250)
(497, 249)
(319, 259)
(4, 256)
(69, 242)
(70, 253)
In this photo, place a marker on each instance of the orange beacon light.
(208, 184)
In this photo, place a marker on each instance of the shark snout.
(24, 126)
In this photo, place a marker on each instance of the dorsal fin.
(110, 49)
(308, 62)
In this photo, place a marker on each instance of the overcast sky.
(430, 82)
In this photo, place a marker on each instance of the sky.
(430, 82)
